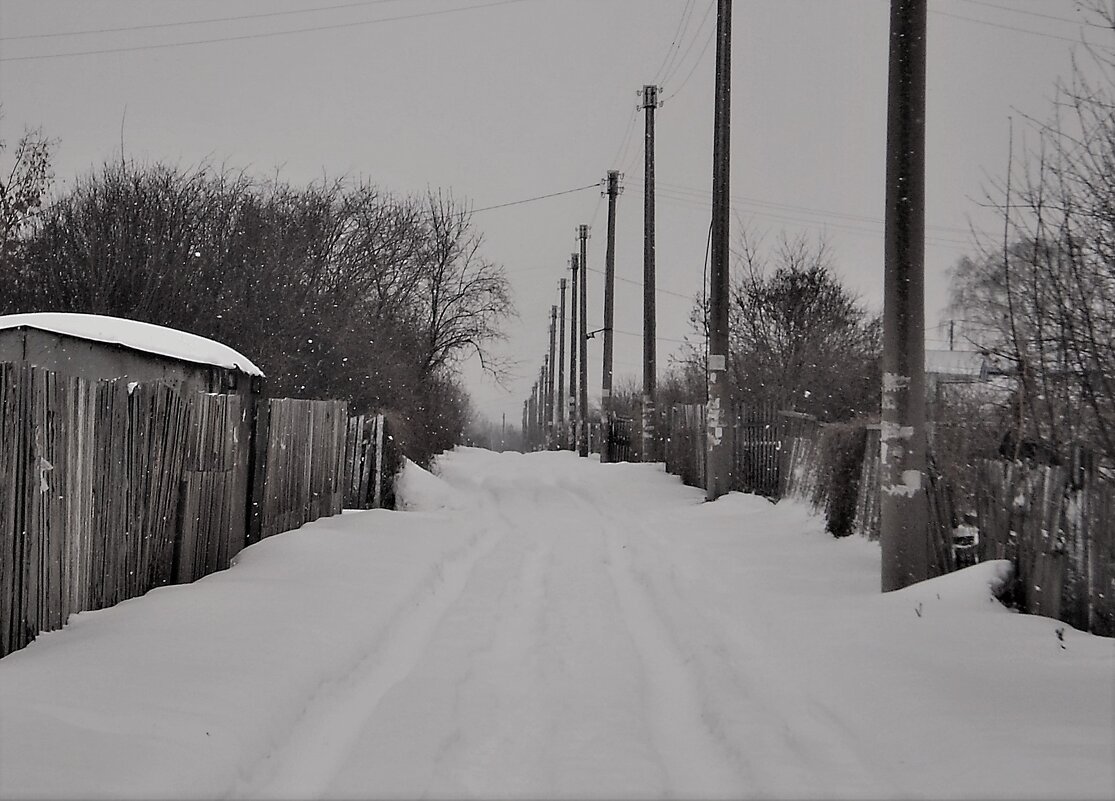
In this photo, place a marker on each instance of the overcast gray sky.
(503, 101)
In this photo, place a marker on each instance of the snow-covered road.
(544, 626)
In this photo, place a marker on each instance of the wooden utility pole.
(582, 382)
(609, 315)
(649, 104)
(573, 332)
(903, 481)
(559, 398)
(718, 443)
(551, 385)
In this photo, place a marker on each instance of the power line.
(1080, 40)
(533, 199)
(622, 151)
(633, 282)
(268, 35)
(1014, 10)
(207, 21)
(705, 193)
(679, 33)
(697, 63)
(700, 199)
(696, 35)
(640, 336)
(689, 202)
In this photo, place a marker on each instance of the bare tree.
(1044, 301)
(464, 297)
(800, 340)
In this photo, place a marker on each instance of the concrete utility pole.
(551, 385)
(573, 332)
(612, 191)
(542, 404)
(559, 399)
(526, 426)
(719, 394)
(532, 418)
(582, 382)
(649, 104)
(903, 508)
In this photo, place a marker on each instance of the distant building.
(955, 367)
(95, 348)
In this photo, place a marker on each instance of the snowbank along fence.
(1055, 524)
(109, 488)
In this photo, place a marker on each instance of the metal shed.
(96, 347)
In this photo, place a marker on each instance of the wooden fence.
(108, 489)
(301, 447)
(212, 508)
(89, 475)
(1056, 524)
(685, 443)
(371, 458)
(622, 436)
(1058, 529)
(756, 438)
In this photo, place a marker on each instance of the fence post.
(377, 498)
(257, 467)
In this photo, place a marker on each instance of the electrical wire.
(702, 200)
(633, 282)
(207, 21)
(1014, 10)
(697, 63)
(1080, 40)
(267, 35)
(742, 199)
(533, 199)
(692, 69)
(675, 45)
(696, 35)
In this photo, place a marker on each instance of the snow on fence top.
(145, 337)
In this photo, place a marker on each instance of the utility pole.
(649, 104)
(903, 507)
(719, 394)
(551, 382)
(573, 332)
(547, 409)
(542, 404)
(582, 382)
(532, 419)
(559, 401)
(612, 191)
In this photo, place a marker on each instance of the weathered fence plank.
(1058, 534)
(85, 509)
(371, 461)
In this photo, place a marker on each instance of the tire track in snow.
(303, 766)
(804, 744)
(776, 735)
(695, 761)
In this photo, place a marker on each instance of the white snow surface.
(145, 337)
(543, 626)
